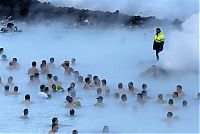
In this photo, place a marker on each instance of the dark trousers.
(158, 46)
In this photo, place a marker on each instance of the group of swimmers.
(89, 82)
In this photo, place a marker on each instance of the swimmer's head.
(25, 112)
(49, 76)
(51, 60)
(80, 79)
(54, 121)
(130, 85)
(27, 97)
(144, 86)
(170, 102)
(36, 75)
(105, 129)
(99, 99)
(184, 103)
(116, 95)
(89, 76)
(76, 74)
(160, 97)
(73, 60)
(34, 64)
(10, 79)
(14, 60)
(53, 87)
(72, 112)
(42, 87)
(15, 88)
(32, 78)
(87, 80)
(99, 91)
(120, 85)
(74, 132)
(46, 89)
(179, 88)
(124, 97)
(44, 62)
(55, 78)
(4, 56)
(107, 92)
(10, 63)
(72, 85)
(1, 50)
(104, 82)
(175, 95)
(69, 99)
(6, 88)
(95, 78)
(169, 115)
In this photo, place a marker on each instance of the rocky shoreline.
(31, 11)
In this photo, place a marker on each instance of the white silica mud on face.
(117, 55)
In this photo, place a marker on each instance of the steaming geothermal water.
(116, 55)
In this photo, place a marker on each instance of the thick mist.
(117, 55)
(170, 9)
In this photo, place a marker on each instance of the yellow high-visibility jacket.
(160, 37)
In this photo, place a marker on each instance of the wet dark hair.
(171, 102)
(51, 60)
(32, 77)
(34, 64)
(176, 93)
(179, 86)
(54, 120)
(44, 62)
(116, 95)
(95, 78)
(14, 59)
(1, 50)
(124, 97)
(160, 96)
(169, 115)
(42, 87)
(46, 89)
(87, 80)
(99, 91)
(104, 81)
(74, 132)
(36, 75)
(25, 111)
(27, 97)
(6, 88)
(72, 84)
(130, 84)
(184, 103)
(69, 99)
(144, 86)
(120, 85)
(4, 56)
(72, 112)
(49, 76)
(55, 78)
(15, 88)
(158, 29)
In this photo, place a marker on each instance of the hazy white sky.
(160, 8)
